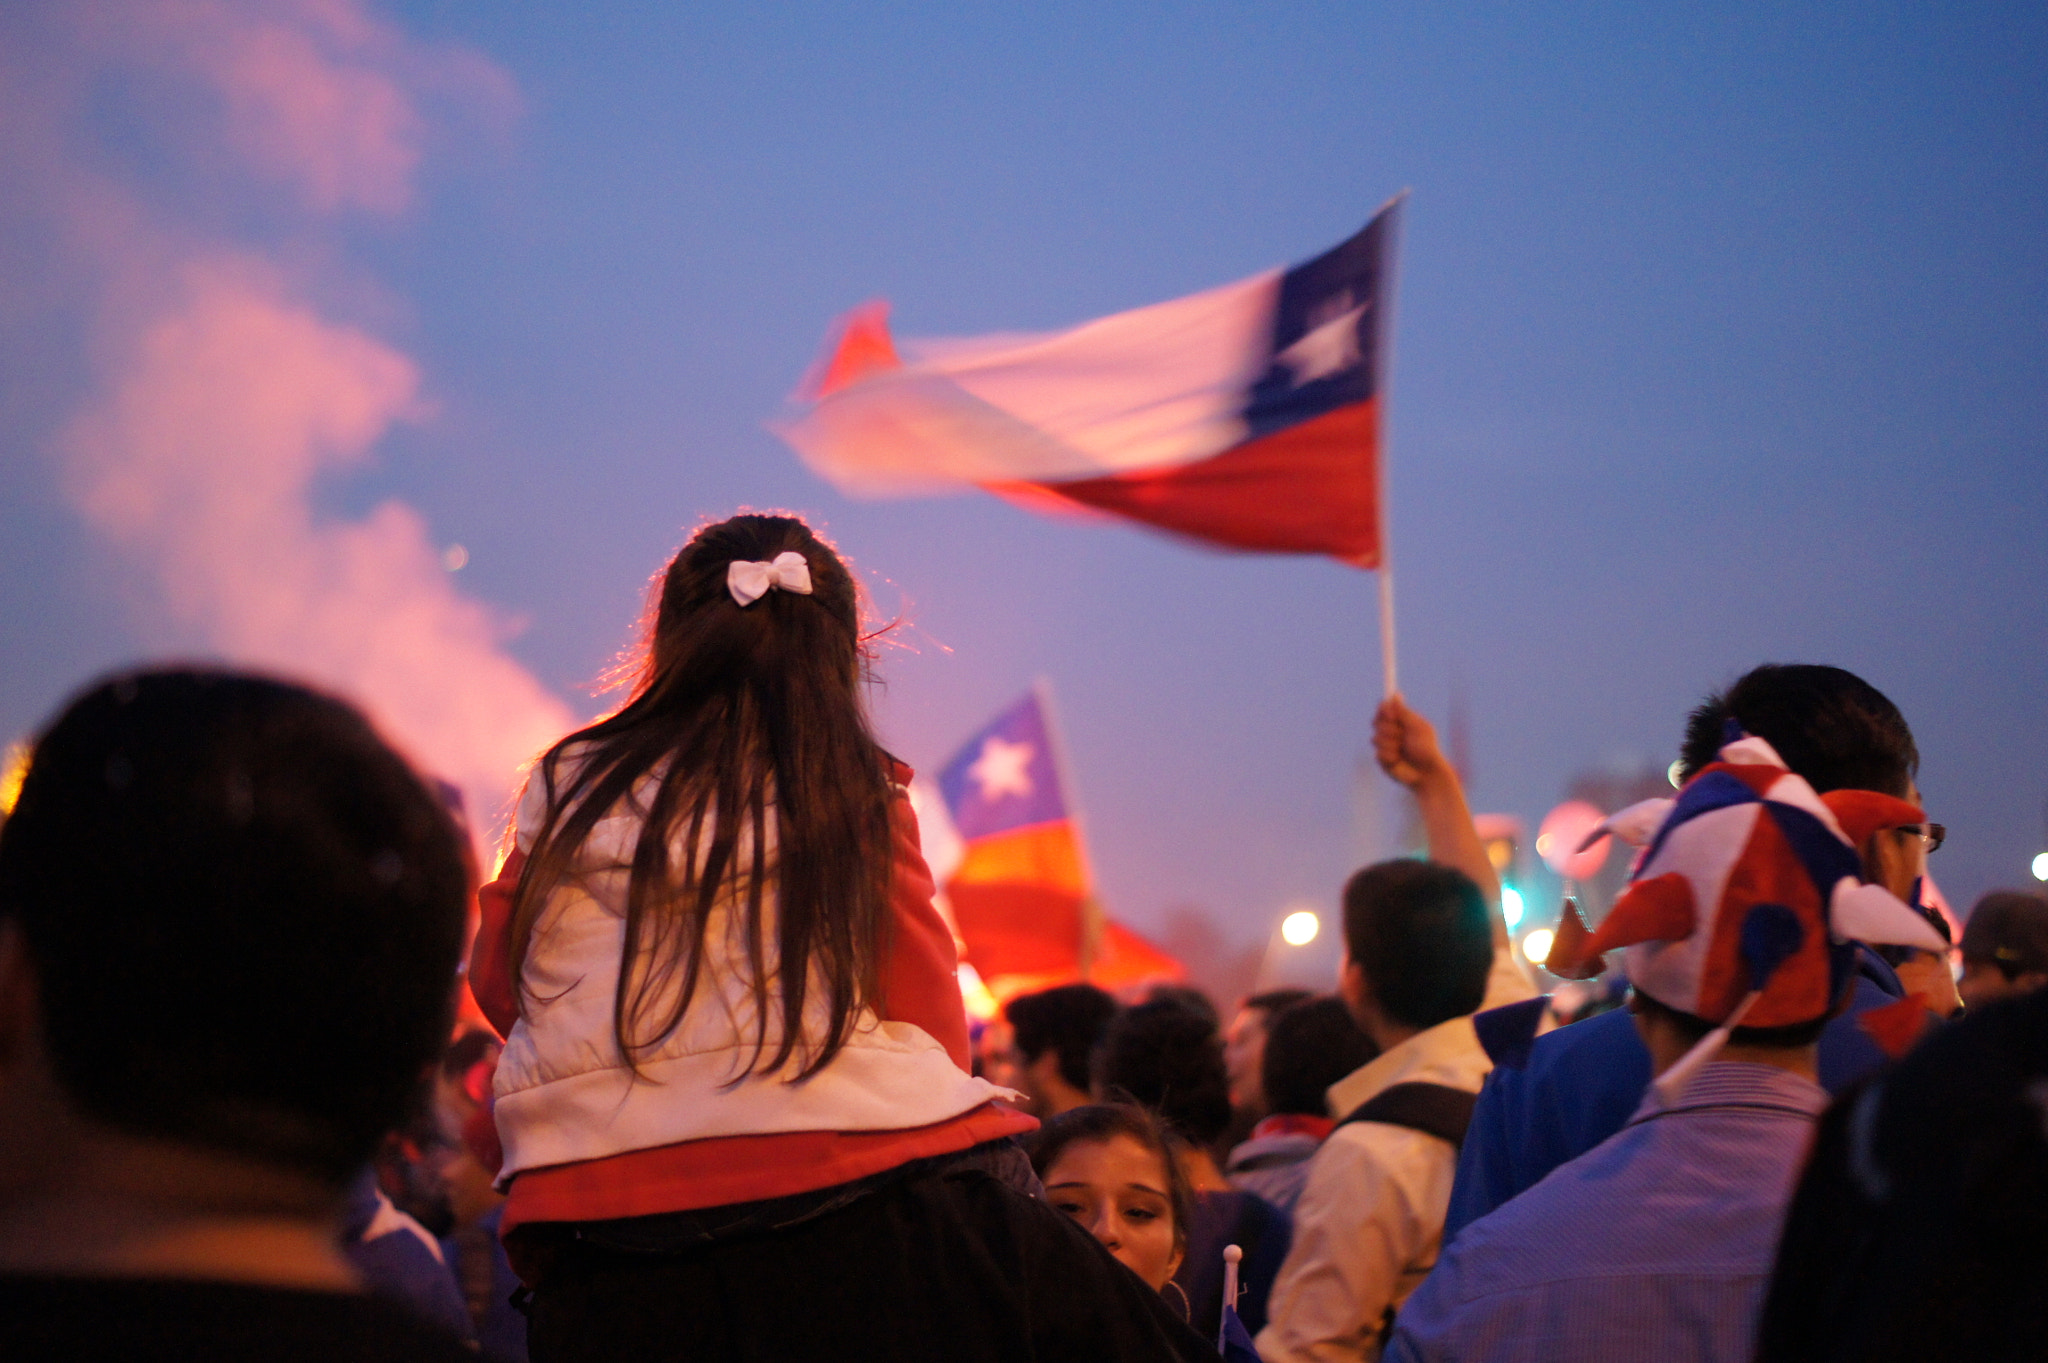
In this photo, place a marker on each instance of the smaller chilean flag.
(1246, 416)
(1020, 892)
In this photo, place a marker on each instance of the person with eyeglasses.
(1551, 1098)
(1897, 858)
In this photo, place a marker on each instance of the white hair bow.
(749, 581)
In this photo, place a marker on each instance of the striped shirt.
(1657, 1243)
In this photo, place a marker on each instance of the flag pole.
(1388, 675)
(1092, 915)
(1383, 361)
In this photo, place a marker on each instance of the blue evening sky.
(1722, 337)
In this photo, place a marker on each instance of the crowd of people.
(704, 1085)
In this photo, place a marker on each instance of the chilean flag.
(1245, 417)
(1015, 877)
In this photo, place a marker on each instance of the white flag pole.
(1231, 1255)
(1093, 919)
(1383, 360)
(1389, 677)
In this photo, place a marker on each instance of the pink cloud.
(222, 394)
(322, 95)
(199, 465)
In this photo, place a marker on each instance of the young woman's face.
(1118, 1191)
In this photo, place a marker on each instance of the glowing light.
(2041, 867)
(1299, 928)
(455, 558)
(1671, 772)
(1511, 904)
(1536, 946)
(981, 1005)
(14, 767)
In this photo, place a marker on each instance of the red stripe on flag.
(1015, 928)
(1309, 489)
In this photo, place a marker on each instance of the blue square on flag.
(1004, 778)
(1326, 330)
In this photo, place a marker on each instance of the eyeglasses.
(1931, 835)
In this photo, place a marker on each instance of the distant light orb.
(1671, 772)
(1536, 946)
(1299, 928)
(2041, 867)
(455, 558)
(1511, 906)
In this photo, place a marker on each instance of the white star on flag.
(1003, 769)
(1327, 349)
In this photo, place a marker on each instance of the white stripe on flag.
(1151, 388)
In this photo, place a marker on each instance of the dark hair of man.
(1068, 1020)
(1694, 1029)
(1309, 1047)
(736, 709)
(243, 911)
(1276, 1001)
(1168, 1058)
(1188, 997)
(1104, 1122)
(2008, 929)
(1419, 930)
(1830, 726)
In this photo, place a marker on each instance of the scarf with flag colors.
(1004, 845)
(1246, 417)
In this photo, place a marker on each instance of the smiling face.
(1118, 1190)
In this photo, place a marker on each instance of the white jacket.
(564, 1093)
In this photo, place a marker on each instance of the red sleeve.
(490, 956)
(920, 983)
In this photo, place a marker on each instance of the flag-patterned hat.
(1745, 885)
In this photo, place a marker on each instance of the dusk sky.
(1721, 338)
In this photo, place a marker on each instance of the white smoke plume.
(222, 390)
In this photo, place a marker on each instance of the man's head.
(1055, 1035)
(1244, 1045)
(1830, 726)
(1838, 732)
(2005, 947)
(1732, 916)
(1417, 947)
(229, 919)
(1167, 1057)
(1310, 1046)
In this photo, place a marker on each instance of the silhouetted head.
(1310, 1046)
(1419, 933)
(1830, 726)
(1169, 1058)
(242, 910)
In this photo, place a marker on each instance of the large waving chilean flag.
(1246, 416)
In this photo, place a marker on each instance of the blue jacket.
(1552, 1101)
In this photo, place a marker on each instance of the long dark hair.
(736, 709)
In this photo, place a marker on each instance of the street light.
(2041, 866)
(1299, 928)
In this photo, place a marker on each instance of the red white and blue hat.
(1748, 885)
